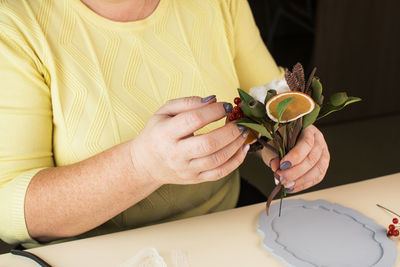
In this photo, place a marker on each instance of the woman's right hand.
(167, 152)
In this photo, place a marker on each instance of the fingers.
(270, 158)
(179, 105)
(206, 144)
(274, 164)
(308, 162)
(220, 157)
(313, 176)
(301, 150)
(232, 164)
(188, 122)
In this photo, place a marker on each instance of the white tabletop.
(227, 238)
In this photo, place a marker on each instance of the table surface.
(227, 238)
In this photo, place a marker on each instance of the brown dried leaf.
(298, 72)
(308, 85)
(272, 195)
(296, 131)
(292, 81)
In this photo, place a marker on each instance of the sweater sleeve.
(25, 129)
(254, 64)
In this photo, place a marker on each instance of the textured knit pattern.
(74, 84)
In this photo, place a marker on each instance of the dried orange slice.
(301, 105)
(251, 138)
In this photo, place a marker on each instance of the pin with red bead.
(393, 229)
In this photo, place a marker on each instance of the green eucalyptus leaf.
(282, 106)
(257, 109)
(329, 108)
(244, 120)
(276, 126)
(244, 96)
(255, 126)
(338, 99)
(316, 89)
(244, 106)
(271, 93)
(321, 100)
(311, 117)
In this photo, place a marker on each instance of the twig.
(265, 143)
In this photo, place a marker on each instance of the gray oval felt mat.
(320, 233)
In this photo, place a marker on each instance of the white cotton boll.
(260, 92)
(279, 85)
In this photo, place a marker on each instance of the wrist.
(138, 165)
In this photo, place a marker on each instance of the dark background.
(355, 45)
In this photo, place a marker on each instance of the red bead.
(390, 232)
(239, 115)
(237, 100)
(391, 227)
(395, 220)
(396, 232)
(236, 110)
(231, 117)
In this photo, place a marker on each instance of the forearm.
(70, 200)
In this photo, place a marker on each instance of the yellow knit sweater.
(74, 84)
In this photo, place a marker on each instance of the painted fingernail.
(241, 127)
(289, 190)
(208, 98)
(285, 165)
(246, 148)
(289, 185)
(270, 162)
(228, 107)
(245, 133)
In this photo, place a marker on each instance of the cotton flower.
(260, 92)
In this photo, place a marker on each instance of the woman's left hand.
(306, 164)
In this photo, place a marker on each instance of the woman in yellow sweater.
(98, 111)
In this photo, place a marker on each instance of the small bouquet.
(278, 111)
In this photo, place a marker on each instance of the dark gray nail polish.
(286, 165)
(228, 107)
(208, 98)
(289, 190)
(241, 128)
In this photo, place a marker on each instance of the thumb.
(270, 158)
(274, 164)
(180, 105)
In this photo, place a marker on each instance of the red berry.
(396, 232)
(237, 100)
(231, 117)
(390, 232)
(239, 115)
(236, 110)
(395, 220)
(391, 227)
